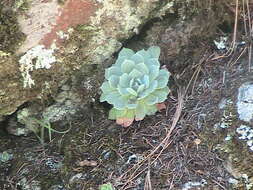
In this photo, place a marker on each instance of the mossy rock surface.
(92, 42)
(11, 36)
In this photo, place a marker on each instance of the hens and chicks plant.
(135, 85)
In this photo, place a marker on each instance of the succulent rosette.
(134, 85)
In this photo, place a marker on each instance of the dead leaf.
(197, 141)
(125, 122)
(91, 163)
(161, 106)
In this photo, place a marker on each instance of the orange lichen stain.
(73, 12)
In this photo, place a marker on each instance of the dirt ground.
(165, 151)
(176, 149)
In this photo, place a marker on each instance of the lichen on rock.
(36, 58)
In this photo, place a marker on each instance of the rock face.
(45, 21)
(28, 74)
(229, 128)
(245, 102)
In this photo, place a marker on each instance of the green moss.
(233, 150)
(20, 5)
(75, 49)
(10, 34)
(82, 35)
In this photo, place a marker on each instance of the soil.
(97, 151)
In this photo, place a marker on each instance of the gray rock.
(245, 102)
(57, 112)
(15, 128)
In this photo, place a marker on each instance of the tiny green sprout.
(45, 124)
(5, 156)
(107, 186)
(135, 85)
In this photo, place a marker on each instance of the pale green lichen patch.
(110, 34)
(36, 58)
(233, 140)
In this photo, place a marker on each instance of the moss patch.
(10, 34)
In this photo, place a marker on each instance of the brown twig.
(164, 144)
(250, 35)
(232, 46)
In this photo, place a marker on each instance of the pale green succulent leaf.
(145, 81)
(151, 100)
(119, 61)
(135, 73)
(112, 71)
(112, 114)
(123, 91)
(113, 81)
(126, 52)
(131, 106)
(152, 88)
(117, 100)
(121, 113)
(124, 80)
(106, 88)
(161, 94)
(151, 109)
(141, 88)
(140, 111)
(132, 91)
(115, 113)
(164, 73)
(131, 82)
(142, 68)
(163, 78)
(110, 98)
(162, 82)
(130, 114)
(153, 72)
(154, 51)
(127, 66)
(137, 58)
(120, 103)
(144, 54)
(153, 61)
(102, 97)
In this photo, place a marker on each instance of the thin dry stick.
(235, 26)
(232, 46)
(250, 52)
(250, 35)
(243, 51)
(246, 31)
(195, 74)
(147, 185)
(163, 144)
(244, 18)
(194, 82)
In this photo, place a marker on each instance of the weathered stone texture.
(104, 25)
